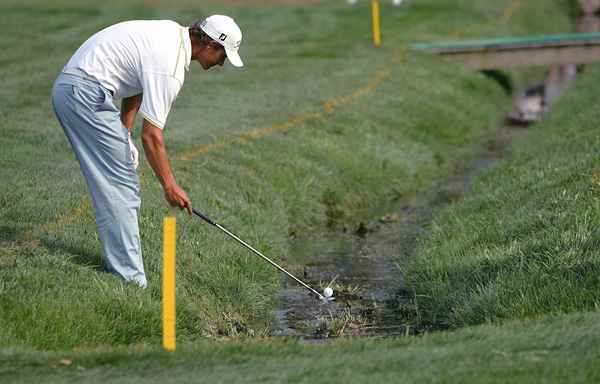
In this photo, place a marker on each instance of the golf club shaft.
(208, 220)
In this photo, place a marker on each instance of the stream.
(364, 266)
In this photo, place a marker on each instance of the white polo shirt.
(141, 56)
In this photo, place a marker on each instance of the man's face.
(212, 54)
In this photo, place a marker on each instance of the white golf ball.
(328, 292)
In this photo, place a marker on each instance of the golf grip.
(204, 217)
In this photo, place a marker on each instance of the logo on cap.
(237, 44)
(222, 37)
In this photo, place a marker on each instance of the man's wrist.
(169, 185)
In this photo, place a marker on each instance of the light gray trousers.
(93, 126)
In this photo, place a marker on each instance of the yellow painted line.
(256, 134)
(168, 284)
(249, 136)
(507, 14)
(510, 11)
(67, 218)
(377, 79)
(328, 107)
(82, 207)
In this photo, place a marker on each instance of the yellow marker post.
(168, 288)
(376, 24)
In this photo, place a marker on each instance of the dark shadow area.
(502, 78)
(79, 255)
(11, 233)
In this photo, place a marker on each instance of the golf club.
(313, 291)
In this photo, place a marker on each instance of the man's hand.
(154, 146)
(178, 198)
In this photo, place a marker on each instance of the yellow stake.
(376, 25)
(168, 288)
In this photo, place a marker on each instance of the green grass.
(525, 241)
(553, 350)
(516, 261)
(389, 142)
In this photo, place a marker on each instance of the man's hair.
(200, 35)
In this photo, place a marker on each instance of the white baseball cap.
(226, 32)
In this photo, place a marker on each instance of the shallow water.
(364, 274)
(364, 266)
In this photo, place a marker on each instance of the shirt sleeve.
(159, 93)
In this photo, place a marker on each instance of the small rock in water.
(362, 229)
(390, 218)
(66, 362)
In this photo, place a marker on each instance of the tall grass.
(525, 241)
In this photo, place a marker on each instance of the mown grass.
(389, 142)
(525, 241)
(553, 350)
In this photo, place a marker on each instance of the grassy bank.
(525, 241)
(315, 131)
(553, 350)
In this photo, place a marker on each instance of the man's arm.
(129, 108)
(156, 153)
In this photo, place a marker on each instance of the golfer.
(143, 63)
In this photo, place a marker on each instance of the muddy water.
(364, 266)
(364, 274)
